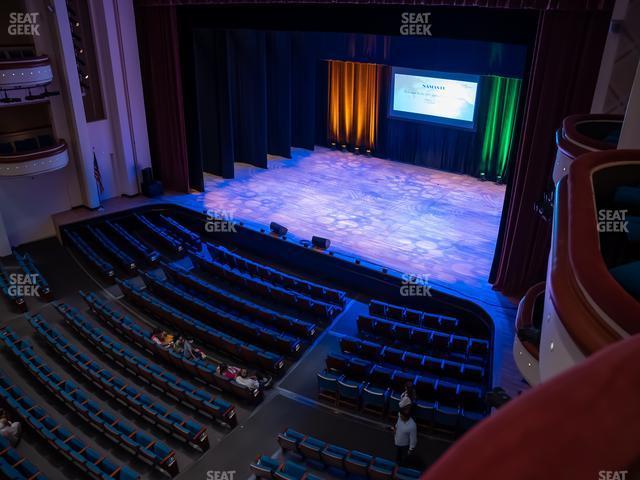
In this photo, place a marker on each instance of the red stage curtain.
(565, 68)
(160, 64)
(354, 92)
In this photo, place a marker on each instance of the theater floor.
(417, 220)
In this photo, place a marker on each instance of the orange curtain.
(354, 93)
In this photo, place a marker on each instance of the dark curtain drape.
(160, 64)
(303, 91)
(566, 62)
(211, 133)
(278, 61)
(248, 92)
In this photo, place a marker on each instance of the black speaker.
(278, 229)
(152, 189)
(319, 242)
(147, 175)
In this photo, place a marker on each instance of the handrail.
(60, 147)
(40, 61)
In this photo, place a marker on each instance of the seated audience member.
(408, 394)
(10, 430)
(228, 371)
(162, 338)
(252, 381)
(191, 352)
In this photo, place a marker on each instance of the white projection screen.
(434, 97)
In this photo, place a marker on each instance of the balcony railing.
(35, 162)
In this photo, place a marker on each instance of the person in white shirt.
(10, 430)
(406, 433)
(243, 378)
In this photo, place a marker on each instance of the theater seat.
(334, 456)
(289, 440)
(381, 469)
(404, 473)
(628, 276)
(264, 466)
(374, 399)
(311, 447)
(328, 385)
(357, 463)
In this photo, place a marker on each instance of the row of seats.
(121, 257)
(28, 266)
(426, 386)
(267, 467)
(414, 317)
(172, 422)
(205, 371)
(141, 250)
(135, 441)
(457, 347)
(267, 290)
(8, 292)
(285, 322)
(160, 234)
(163, 380)
(14, 466)
(392, 358)
(247, 352)
(341, 390)
(277, 341)
(277, 277)
(353, 462)
(181, 231)
(74, 449)
(90, 255)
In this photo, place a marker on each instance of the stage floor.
(420, 221)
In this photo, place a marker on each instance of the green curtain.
(502, 110)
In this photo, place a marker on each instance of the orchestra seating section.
(396, 346)
(161, 272)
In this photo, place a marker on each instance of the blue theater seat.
(349, 392)
(290, 471)
(357, 463)
(334, 456)
(289, 440)
(404, 473)
(374, 399)
(328, 385)
(310, 448)
(264, 467)
(381, 469)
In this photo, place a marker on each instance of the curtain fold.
(354, 95)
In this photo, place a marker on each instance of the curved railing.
(582, 134)
(35, 162)
(587, 309)
(25, 72)
(526, 351)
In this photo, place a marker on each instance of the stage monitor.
(434, 97)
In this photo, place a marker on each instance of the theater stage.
(410, 218)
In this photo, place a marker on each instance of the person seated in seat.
(12, 431)
(228, 371)
(191, 352)
(162, 338)
(252, 381)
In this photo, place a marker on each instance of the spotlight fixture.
(333, 145)
(278, 229)
(343, 147)
(356, 150)
(368, 152)
(483, 176)
(499, 180)
(320, 243)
